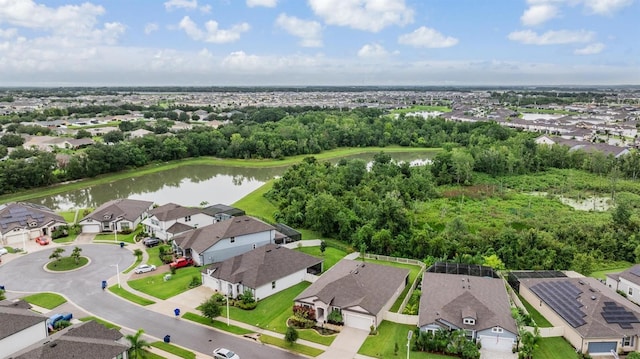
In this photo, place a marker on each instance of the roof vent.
(593, 297)
(581, 282)
(52, 345)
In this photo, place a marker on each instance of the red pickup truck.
(181, 262)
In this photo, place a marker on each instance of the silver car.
(3, 251)
(144, 268)
(222, 353)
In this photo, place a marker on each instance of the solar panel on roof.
(614, 313)
(562, 297)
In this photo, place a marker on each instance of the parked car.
(144, 268)
(3, 251)
(222, 353)
(151, 242)
(43, 241)
(51, 322)
(181, 262)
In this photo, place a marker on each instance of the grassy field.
(45, 300)
(295, 347)
(130, 296)
(256, 205)
(154, 255)
(155, 285)
(172, 349)
(69, 216)
(331, 255)
(389, 334)
(554, 348)
(612, 268)
(67, 264)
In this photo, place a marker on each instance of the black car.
(151, 242)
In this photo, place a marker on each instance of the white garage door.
(91, 228)
(15, 238)
(603, 348)
(357, 321)
(496, 343)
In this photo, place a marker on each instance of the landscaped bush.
(59, 232)
(246, 306)
(246, 297)
(335, 317)
(219, 299)
(303, 312)
(302, 323)
(61, 324)
(126, 231)
(195, 281)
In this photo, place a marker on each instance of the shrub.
(195, 281)
(246, 306)
(59, 232)
(246, 297)
(167, 258)
(219, 299)
(303, 312)
(301, 323)
(291, 335)
(126, 231)
(335, 317)
(61, 324)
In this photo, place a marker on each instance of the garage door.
(357, 321)
(602, 348)
(15, 238)
(91, 228)
(496, 343)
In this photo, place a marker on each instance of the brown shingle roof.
(352, 283)
(452, 297)
(205, 237)
(15, 319)
(129, 209)
(262, 265)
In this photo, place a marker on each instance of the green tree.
(211, 308)
(138, 253)
(137, 345)
(291, 336)
(494, 262)
(56, 254)
(583, 263)
(323, 247)
(76, 254)
(113, 136)
(82, 133)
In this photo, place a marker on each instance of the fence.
(547, 332)
(394, 259)
(400, 318)
(305, 243)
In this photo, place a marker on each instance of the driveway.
(346, 344)
(82, 288)
(489, 354)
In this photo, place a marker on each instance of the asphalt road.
(26, 274)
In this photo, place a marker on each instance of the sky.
(319, 42)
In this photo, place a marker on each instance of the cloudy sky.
(319, 42)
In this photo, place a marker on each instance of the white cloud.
(309, 32)
(427, 37)
(180, 4)
(590, 49)
(368, 15)
(150, 27)
(212, 33)
(551, 37)
(372, 51)
(538, 14)
(8, 33)
(63, 19)
(265, 3)
(606, 7)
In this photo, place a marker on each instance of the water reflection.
(188, 185)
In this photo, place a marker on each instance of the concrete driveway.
(25, 274)
(346, 344)
(489, 354)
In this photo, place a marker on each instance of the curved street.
(82, 287)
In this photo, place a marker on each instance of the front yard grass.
(155, 285)
(45, 300)
(69, 216)
(554, 348)
(541, 321)
(112, 237)
(299, 348)
(219, 323)
(121, 292)
(389, 334)
(172, 349)
(154, 255)
(331, 255)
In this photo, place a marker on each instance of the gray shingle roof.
(353, 283)
(452, 297)
(262, 265)
(129, 209)
(14, 319)
(172, 211)
(629, 275)
(20, 214)
(205, 237)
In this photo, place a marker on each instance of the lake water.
(188, 185)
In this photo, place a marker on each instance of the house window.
(273, 285)
(630, 291)
(469, 321)
(124, 226)
(497, 330)
(627, 341)
(233, 239)
(187, 219)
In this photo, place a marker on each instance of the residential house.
(594, 319)
(22, 221)
(225, 239)
(20, 327)
(170, 220)
(220, 212)
(264, 271)
(84, 340)
(116, 215)
(627, 282)
(141, 132)
(360, 291)
(478, 305)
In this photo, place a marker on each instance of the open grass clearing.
(257, 205)
(615, 267)
(45, 300)
(554, 348)
(389, 334)
(172, 349)
(331, 255)
(121, 292)
(295, 347)
(69, 216)
(155, 285)
(103, 322)
(219, 323)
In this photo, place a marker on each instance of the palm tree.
(138, 345)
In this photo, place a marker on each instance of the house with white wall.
(20, 327)
(170, 220)
(627, 282)
(22, 221)
(116, 216)
(264, 271)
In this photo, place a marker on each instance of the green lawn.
(116, 238)
(66, 264)
(383, 344)
(155, 285)
(130, 296)
(45, 300)
(256, 205)
(172, 349)
(554, 348)
(154, 255)
(299, 348)
(541, 321)
(68, 239)
(69, 216)
(103, 322)
(614, 268)
(219, 323)
(331, 255)
(134, 265)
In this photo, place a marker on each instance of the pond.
(189, 185)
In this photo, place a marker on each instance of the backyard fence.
(400, 318)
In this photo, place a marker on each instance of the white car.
(3, 251)
(144, 268)
(222, 353)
